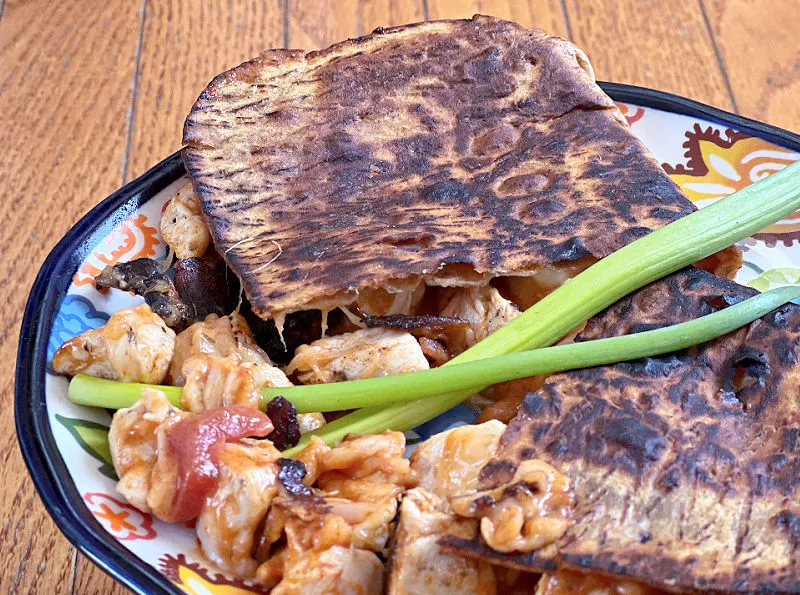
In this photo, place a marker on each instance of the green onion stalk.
(652, 257)
(404, 401)
(390, 390)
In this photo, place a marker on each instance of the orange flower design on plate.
(632, 113)
(132, 239)
(120, 519)
(194, 579)
(717, 167)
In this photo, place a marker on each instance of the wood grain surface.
(545, 14)
(66, 73)
(94, 93)
(759, 51)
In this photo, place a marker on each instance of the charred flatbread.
(685, 467)
(443, 153)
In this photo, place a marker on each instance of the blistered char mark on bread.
(686, 467)
(445, 150)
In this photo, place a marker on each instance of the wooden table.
(92, 93)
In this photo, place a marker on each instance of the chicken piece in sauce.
(308, 529)
(419, 565)
(361, 480)
(529, 512)
(446, 465)
(337, 570)
(168, 460)
(219, 364)
(352, 505)
(221, 336)
(213, 382)
(132, 442)
(133, 346)
(232, 513)
(483, 307)
(360, 354)
(377, 458)
(182, 225)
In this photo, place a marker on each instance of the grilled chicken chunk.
(350, 509)
(169, 460)
(243, 481)
(377, 458)
(221, 336)
(449, 462)
(362, 480)
(213, 382)
(446, 466)
(227, 525)
(419, 565)
(336, 570)
(531, 511)
(133, 444)
(218, 363)
(483, 307)
(182, 225)
(133, 346)
(361, 354)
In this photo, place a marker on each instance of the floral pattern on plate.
(119, 518)
(719, 163)
(133, 238)
(198, 580)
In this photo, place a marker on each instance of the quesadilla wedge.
(685, 467)
(437, 154)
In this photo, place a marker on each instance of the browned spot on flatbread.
(405, 152)
(686, 466)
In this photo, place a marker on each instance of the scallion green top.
(395, 402)
(652, 257)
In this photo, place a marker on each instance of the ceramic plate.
(709, 153)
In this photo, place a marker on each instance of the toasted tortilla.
(686, 467)
(444, 152)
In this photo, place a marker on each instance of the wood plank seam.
(74, 576)
(426, 14)
(131, 115)
(359, 19)
(284, 4)
(720, 58)
(130, 118)
(567, 23)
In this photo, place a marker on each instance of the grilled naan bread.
(686, 467)
(443, 153)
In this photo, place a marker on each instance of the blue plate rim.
(42, 458)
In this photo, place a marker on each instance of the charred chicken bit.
(133, 346)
